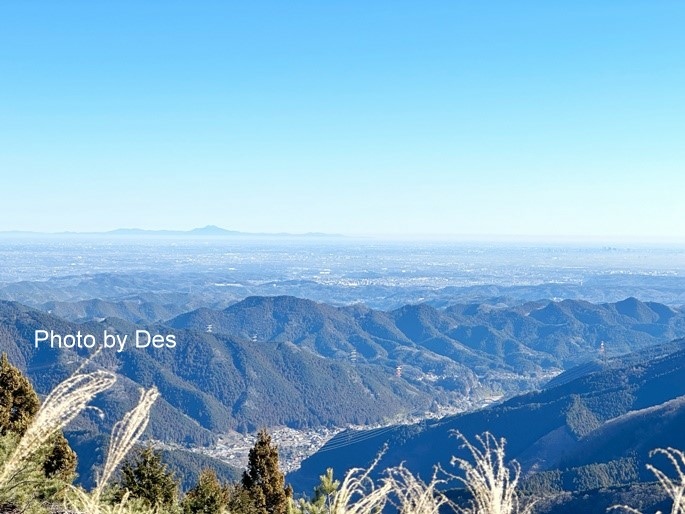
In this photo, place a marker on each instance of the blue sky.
(513, 119)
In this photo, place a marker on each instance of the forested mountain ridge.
(593, 431)
(210, 383)
(529, 338)
(285, 361)
(223, 382)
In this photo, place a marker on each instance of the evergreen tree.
(327, 486)
(18, 401)
(263, 479)
(147, 478)
(323, 494)
(19, 404)
(240, 501)
(209, 496)
(61, 460)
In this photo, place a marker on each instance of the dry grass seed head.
(490, 481)
(358, 494)
(413, 495)
(125, 434)
(60, 407)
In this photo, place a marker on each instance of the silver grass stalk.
(80, 502)
(413, 495)
(674, 488)
(88, 361)
(125, 434)
(358, 494)
(491, 482)
(61, 406)
(83, 503)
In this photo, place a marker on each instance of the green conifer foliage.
(240, 501)
(19, 404)
(209, 496)
(18, 401)
(263, 479)
(147, 478)
(61, 460)
(323, 495)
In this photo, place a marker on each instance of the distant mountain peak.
(634, 308)
(279, 301)
(211, 230)
(208, 230)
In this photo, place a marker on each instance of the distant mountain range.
(177, 291)
(212, 383)
(207, 231)
(286, 361)
(525, 340)
(136, 310)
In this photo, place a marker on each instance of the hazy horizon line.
(214, 231)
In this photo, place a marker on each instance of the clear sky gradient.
(469, 118)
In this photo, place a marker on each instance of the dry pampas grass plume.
(490, 480)
(358, 494)
(125, 434)
(60, 407)
(413, 495)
